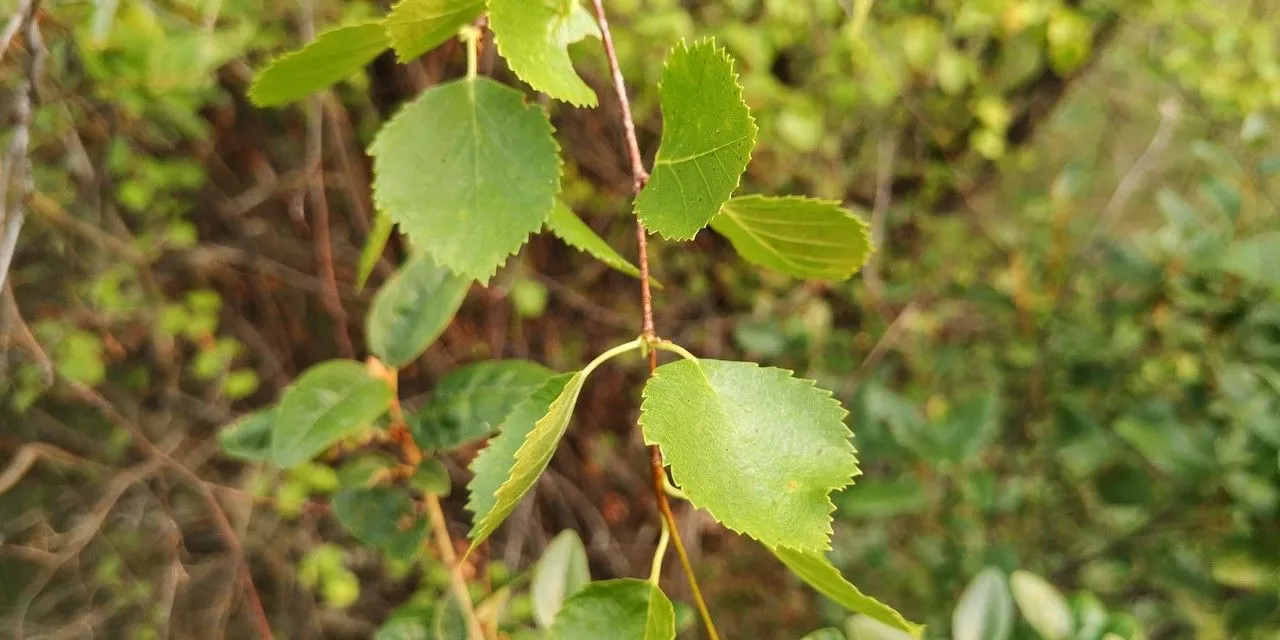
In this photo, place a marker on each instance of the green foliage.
(494, 172)
(331, 57)
(569, 227)
(374, 245)
(1253, 259)
(327, 403)
(418, 26)
(384, 518)
(249, 438)
(760, 450)
(707, 137)
(814, 569)
(412, 309)
(803, 237)
(985, 610)
(1042, 605)
(534, 38)
(470, 402)
(560, 573)
(626, 609)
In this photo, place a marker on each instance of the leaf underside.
(798, 236)
(625, 609)
(468, 170)
(471, 401)
(534, 35)
(325, 404)
(819, 573)
(330, 58)
(707, 137)
(418, 26)
(412, 309)
(760, 450)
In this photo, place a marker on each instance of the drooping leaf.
(819, 573)
(1254, 259)
(468, 170)
(514, 459)
(707, 136)
(249, 438)
(418, 26)
(569, 227)
(985, 610)
(384, 518)
(803, 237)
(560, 573)
(412, 309)
(373, 248)
(534, 35)
(326, 403)
(471, 401)
(1042, 605)
(761, 450)
(626, 609)
(331, 57)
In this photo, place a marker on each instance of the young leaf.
(761, 450)
(534, 37)
(798, 236)
(512, 462)
(373, 247)
(333, 56)
(471, 401)
(327, 402)
(626, 609)
(574, 232)
(829, 633)
(985, 610)
(1042, 605)
(816, 570)
(382, 517)
(418, 26)
(468, 171)
(412, 309)
(707, 136)
(560, 573)
(249, 438)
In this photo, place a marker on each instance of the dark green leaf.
(384, 518)
(412, 309)
(626, 609)
(326, 403)
(471, 401)
(819, 573)
(249, 438)
(333, 56)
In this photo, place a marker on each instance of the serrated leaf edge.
(519, 67)
(254, 91)
(395, 42)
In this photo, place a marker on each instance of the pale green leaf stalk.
(418, 26)
(802, 237)
(534, 36)
(328, 402)
(330, 58)
(707, 137)
(816, 570)
(626, 609)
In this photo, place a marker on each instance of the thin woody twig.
(640, 178)
(16, 165)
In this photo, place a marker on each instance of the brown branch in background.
(320, 204)
(640, 178)
(15, 167)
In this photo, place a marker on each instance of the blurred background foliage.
(1065, 358)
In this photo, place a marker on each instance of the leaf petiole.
(655, 573)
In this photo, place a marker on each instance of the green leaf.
(560, 573)
(471, 401)
(985, 610)
(818, 572)
(362, 471)
(1253, 259)
(412, 309)
(861, 627)
(333, 56)
(1042, 605)
(418, 26)
(373, 248)
(574, 232)
(468, 170)
(626, 609)
(383, 517)
(970, 427)
(450, 622)
(325, 404)
(507, 468)
(534, 36)
(249, 438)
(883, 498)
(829, 633)
(432, 477)
(761, 450)
(803, 237)
(707, 136)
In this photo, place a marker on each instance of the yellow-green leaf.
(325, 404)
(626, 609)
(803, 237)
(333, 56)
(418, 26)
(819, 573)
(534, 36)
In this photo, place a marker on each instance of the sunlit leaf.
(326, 403)
(625, 609)
(560, 573)
(412, 309)
(707, 137)
(534, 35)
(1042, 605)
(818, 572)
(985, 610)
(803, 237)
(418, 26)
(333, 56)
(472, 400)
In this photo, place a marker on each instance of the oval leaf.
(803, 237)
(560, 573)
(326, 403)
(249, 438)
(574, 232)
(707, 136)
(418, 26)
(384, 518)
(985, 610)
(814, 569)
(333, 56)
(512, 462)
(473, 400)
(1043, 606)
(534, 36)
(626, 609)
(761, 450)
(468, 171)
(412, 309)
